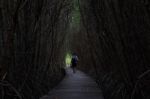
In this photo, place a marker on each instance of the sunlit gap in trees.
(68, 59)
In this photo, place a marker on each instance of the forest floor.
(75, 86)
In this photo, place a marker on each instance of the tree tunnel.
(111, 38)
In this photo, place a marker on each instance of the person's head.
(74, 54)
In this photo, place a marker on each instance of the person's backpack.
(74, 60)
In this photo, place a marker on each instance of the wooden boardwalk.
(75, 86)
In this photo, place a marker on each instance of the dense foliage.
(111, 38)
(116, 46)
(32, 35)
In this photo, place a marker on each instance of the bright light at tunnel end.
(68, 60)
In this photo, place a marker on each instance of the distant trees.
(32, 38)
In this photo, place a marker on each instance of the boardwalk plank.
(75, 86)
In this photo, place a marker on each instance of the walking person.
(74, 61)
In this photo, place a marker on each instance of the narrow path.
(75, 86)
